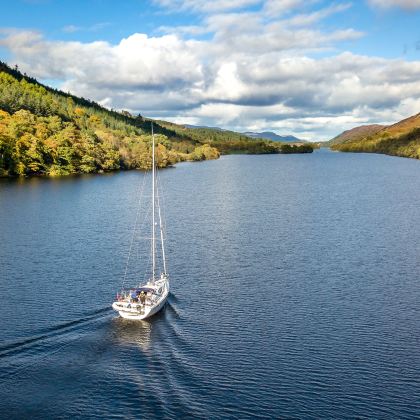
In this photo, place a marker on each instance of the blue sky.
(311, 68)
(388, 32)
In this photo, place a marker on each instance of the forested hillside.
(232, 142)
(356, 133)
(44, 131)
(400, 139)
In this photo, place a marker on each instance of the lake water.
(295, 292)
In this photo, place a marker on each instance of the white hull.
(137, 311)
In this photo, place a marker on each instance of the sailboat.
(147, 299)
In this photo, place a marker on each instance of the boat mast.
(153, 207)
(161, 234)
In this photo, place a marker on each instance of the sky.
(311, 68)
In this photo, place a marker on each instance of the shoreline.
(171, 166)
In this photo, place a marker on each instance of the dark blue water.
(295, 293)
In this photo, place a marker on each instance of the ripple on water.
(292, 295)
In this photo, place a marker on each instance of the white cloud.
(281, 7)
(71, 28)
(136, 62)
(311, 18)
(206, 5)
(92, 28)
(404, 4)
(255, 69)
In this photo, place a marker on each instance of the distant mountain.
(226, 141)
(204, 126)
(265, 135)
(399, 139)
(269, 135)
(355, 134)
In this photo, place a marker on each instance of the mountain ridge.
(355, 133)
(399, 139)
(270, 135)
(265, 135)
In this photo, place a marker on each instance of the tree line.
(404, 144)
(44, 131)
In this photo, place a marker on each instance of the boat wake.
(23, 345)
(172, 297)
(171, 305)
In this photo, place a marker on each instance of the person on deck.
(142, 297)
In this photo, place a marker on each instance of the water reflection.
(140, 333)
(132, 333)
